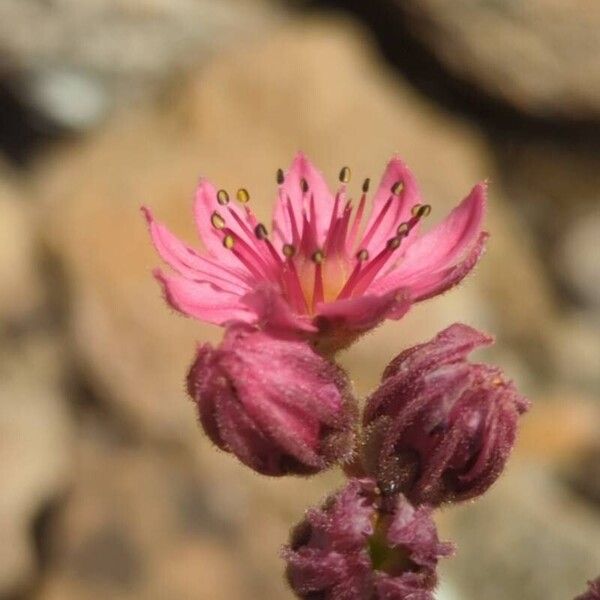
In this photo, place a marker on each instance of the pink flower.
(327, 272)
(440, 428)
(276, 404)
(359, 545)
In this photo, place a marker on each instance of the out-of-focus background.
(108, 488)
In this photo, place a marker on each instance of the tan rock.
(20, 287)
(142, 523)
(34, 452)
(524, 539)
(541, 56)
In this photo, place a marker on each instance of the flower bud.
(593, 591)
(439, 428)
(274, 403)
(361, 545)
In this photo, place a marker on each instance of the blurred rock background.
(109, 490)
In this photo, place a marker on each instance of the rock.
(577, 257)
(524, 539)
(105, 53)
(20, 285)
(575, 350)
(236, 122)
(144, 523)
(34, 452)
(549, 63)
(554, 186)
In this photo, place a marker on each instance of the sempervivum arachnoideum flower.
(362, 546)
(593, 591)
(440, 428)
(274, 403)
(327, 273)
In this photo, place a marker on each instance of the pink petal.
(429, 260)
(438, 283)
(205, 205)
(188, 262)
(444, 244)
(273, 312)
(399, 211)
(365, 312)
(302, 168)
(203, 301)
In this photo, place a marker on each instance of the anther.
(420, 210)
(242, 195)
(403, 228)
(289, 250)
(317, 257)
(304, 185)
(228, 241)
(345, 175)
(222, 197)
(394, 242)
(365, 185)
(424, 210)
(217, 221)
(260, 231)
(397, 188)
(362, 255)
(280, 176)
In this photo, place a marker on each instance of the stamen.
(318, 290)
(317, 257)
(369, 235)
(293, 285)
(365, 185)
(222, 197)
(349, 285)
(362, 279)
(243, 196)
(345, 175)
(397, 188)
(217, 221)
(333, 221)
(260, 231)
(341, 232)
(248, 256)
(289, 251)
(358, 217)
(362, 255)
(304, 185)
(394, 243)
(421, 210)
(295, 230)
(229, 241)
(280, 176)
(403, 229)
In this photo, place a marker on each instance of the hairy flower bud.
(439, 428)
(593, 591)
(274, 403)
(361, 545)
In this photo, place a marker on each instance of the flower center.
(312, 267)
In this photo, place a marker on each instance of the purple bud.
(593, 591)
(361, 545)
(274, 403)
(439, 428)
